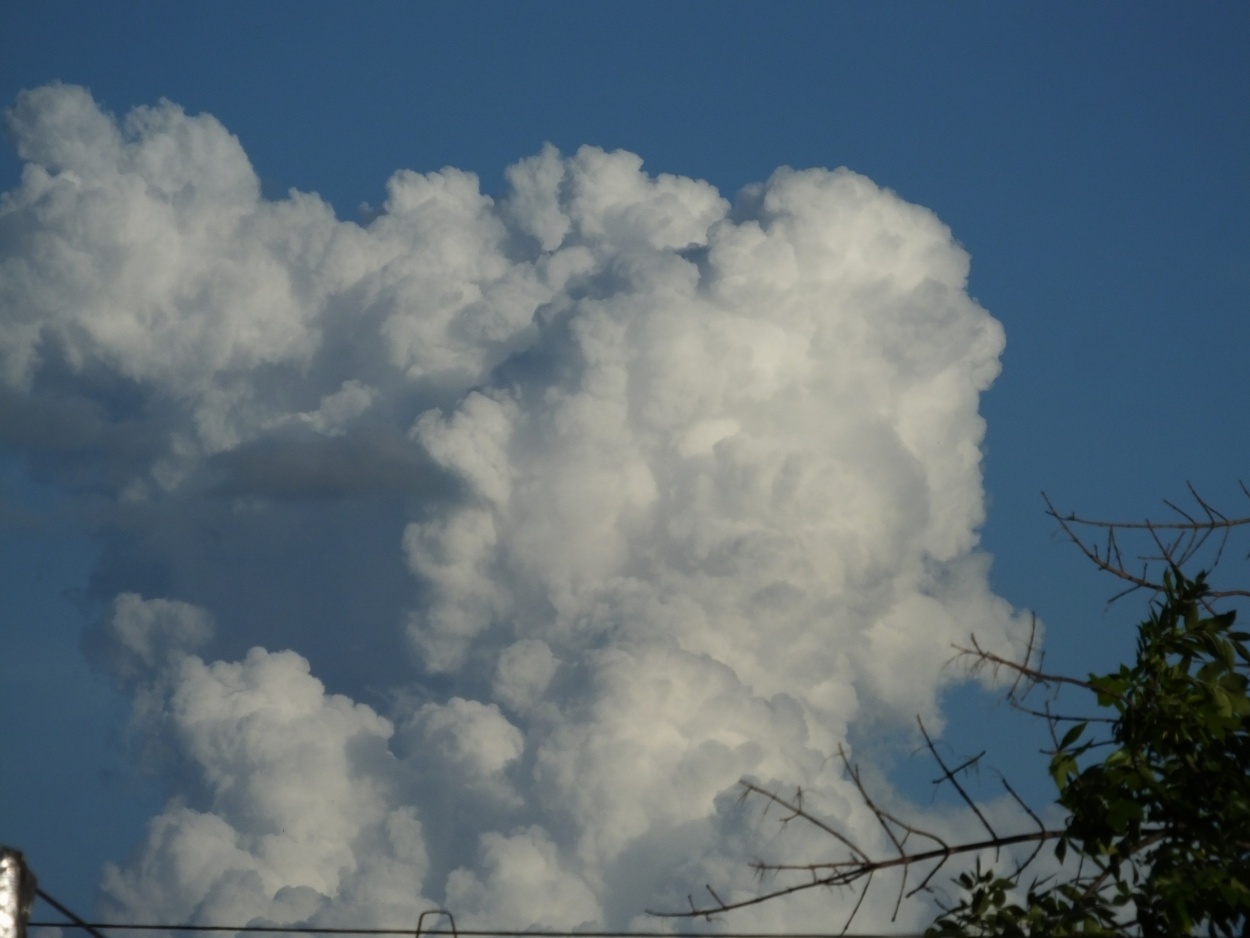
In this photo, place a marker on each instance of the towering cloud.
(586, 501)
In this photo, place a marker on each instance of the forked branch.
(856, 868)
(1175, 543)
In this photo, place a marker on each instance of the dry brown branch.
(1022, 669)
(847, 873)
(1050, 715)
(951, 776)
(1036, 820)
(1176, 543)
(858, 867)
(797, 811)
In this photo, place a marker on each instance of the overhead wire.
(469, 932)
(73, 919)
(93, 929)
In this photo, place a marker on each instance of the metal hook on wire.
(421, 921)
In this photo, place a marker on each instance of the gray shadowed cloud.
(365, 462)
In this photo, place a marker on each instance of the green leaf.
(1072, 735)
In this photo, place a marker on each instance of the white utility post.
(17, 893)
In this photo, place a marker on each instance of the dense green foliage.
(1157, 841)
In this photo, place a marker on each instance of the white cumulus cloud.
(587, 500)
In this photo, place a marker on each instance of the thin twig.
(859, 871)
(1037, 677)
(950, 776)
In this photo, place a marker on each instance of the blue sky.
(1091, 159)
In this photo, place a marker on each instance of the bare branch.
(1215, 520)
(1057, 717)
(1020, 868)
(858, 868)
(797, 811)
(849, 872)
(950, 776)
(1191, 535)
(863, 894)
(1023, 670)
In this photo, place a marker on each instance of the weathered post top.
(17, 893)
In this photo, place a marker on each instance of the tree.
(1155, 782)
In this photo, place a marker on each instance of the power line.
(466, 932)
(74, 919)
(418, 932)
